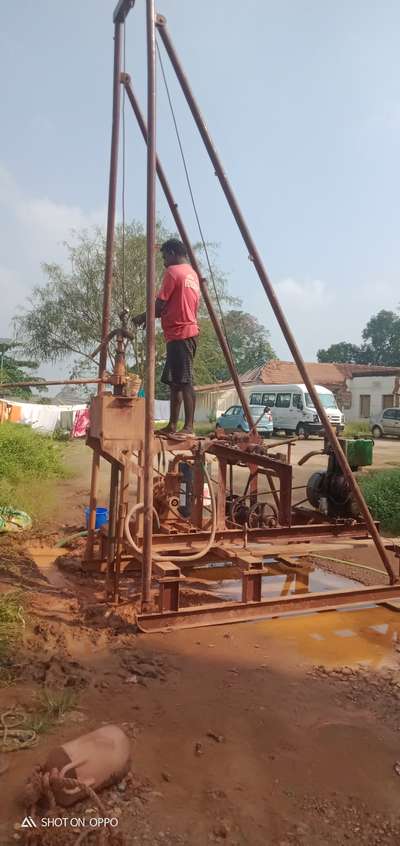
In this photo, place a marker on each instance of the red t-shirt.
(180, 290)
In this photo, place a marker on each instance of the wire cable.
(189, 184)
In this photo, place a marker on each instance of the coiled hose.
(176, 558)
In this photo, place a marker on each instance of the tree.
(382, 339)
(381, 345)
(14, 370)
(64, 314)
(248, 339)
(343, 352)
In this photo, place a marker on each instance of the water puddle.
(346, 637)
(44, 558)
(225, 580)
(337, 638)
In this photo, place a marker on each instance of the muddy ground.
(285, 732)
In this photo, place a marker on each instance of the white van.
(292, 408)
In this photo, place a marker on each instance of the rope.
(123, 177)
(44, 784)
(189, 184)
(13, 738)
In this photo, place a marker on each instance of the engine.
(329, 491)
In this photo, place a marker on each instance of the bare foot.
(167, 430)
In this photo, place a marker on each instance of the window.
(390, 414)
(327, 400)
(365, 406)
(297, 401)
(256, 399)
(269, 399)
(387, 401)
(230, 410)
(283, 400)
(237, 409)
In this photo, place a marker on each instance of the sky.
(302, 98)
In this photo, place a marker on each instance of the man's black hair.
(174, 247)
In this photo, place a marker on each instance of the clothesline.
(66, 418)
(46, 418)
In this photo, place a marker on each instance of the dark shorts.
(178, 368)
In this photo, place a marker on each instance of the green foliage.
(26, 455)
(249, 342)
(343, 353)
(65, 313)
(356, 427)
(382, 339)
(381, 489)
(248, 339)
(381, 344)
(13, 370)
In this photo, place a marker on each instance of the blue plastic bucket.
(101, 517)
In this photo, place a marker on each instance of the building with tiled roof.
(362, 391)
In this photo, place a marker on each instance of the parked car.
(234, 420)
(293, 410)
(387, 423)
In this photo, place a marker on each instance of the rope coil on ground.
(13, 736)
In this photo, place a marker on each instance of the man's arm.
(140, 319)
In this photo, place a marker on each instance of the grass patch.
(204, 428)
(26, 460)
(24, 454)
(53, 705)
(357, 427)
(381, 489)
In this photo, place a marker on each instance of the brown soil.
(237, 734)
(284, 733)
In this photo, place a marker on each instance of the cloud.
(33, 231)
(306, 295)
(320, 314)
(48, 223)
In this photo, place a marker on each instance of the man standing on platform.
(177, 305)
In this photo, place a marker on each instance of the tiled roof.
(285, 372)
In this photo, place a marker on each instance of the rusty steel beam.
(112, 192)
(122, 10)
(51, 382)
(267, 285)
(126, 80)
(225, 613)
(299, 533)
(150, 306)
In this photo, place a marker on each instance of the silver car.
(388, 423)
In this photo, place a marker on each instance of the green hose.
(66, 541)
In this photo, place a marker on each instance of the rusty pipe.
(46, 382)
(119, 16)
(150, 308)
(267, 285)
(126, 80)
(112, 194)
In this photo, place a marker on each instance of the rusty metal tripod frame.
(153, 167)
(266, 283)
